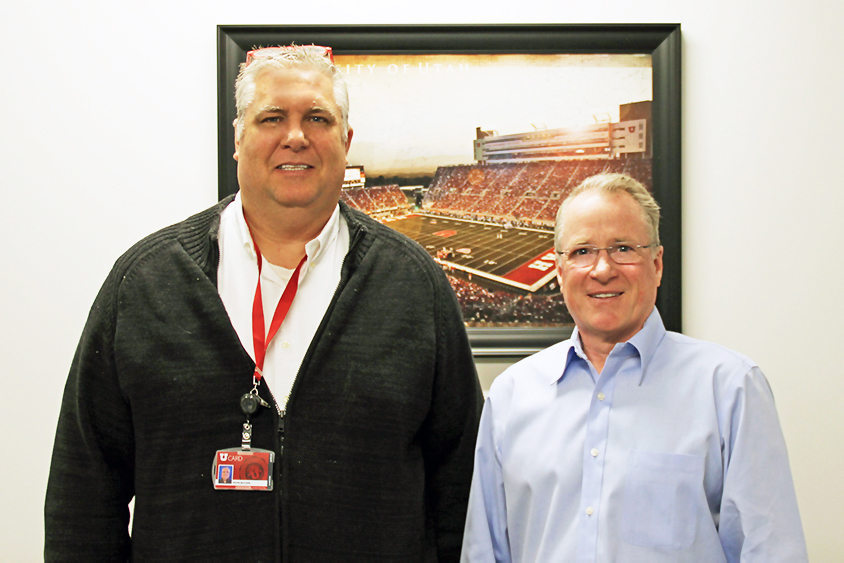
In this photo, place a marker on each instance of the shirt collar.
(572, 350)
(645, 342)
(314, 249)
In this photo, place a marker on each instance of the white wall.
(109, 115)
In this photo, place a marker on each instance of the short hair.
(291, 57)
(613, 183)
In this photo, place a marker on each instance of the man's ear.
(558, 266)
(236, 140)
(349, 139)
(658, 265)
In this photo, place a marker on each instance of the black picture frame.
(661, 41)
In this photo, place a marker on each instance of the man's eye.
(271, 119)
(624, 248)
(580, 252)
(319, 119)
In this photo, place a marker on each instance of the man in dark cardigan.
(360, 381)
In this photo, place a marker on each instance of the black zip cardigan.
(379, 431)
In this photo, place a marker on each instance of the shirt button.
(589, 511)
(594, 452)
(601, 396)
(285, 344)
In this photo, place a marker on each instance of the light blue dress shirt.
(673, 452)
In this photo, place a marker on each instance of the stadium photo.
(476, 176)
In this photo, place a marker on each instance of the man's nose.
(295, 139)
(604, 267)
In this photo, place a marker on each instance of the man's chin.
(608, 329)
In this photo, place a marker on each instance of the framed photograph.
(468, 137)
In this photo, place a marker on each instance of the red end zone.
(533, 270)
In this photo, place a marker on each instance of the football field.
(519, 257)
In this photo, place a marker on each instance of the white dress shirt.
(237, 277)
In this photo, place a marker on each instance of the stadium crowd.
(484, 307)
(527, 192)
(376, 199)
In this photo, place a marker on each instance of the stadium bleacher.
(377, 199)
(528, 192)
(484, 307)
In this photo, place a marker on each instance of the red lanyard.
(258, 341)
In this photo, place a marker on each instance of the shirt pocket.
(661, 498)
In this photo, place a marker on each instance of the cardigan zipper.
(281, 413)
(355, 240)
(344, 278)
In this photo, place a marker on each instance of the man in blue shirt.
(627, 442)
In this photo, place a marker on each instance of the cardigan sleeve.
(452, 424)
(91, 474)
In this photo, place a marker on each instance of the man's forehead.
(276, 89)
(596, 210)
(596, 204)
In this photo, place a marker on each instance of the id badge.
(236, 469)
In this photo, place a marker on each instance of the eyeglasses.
(270, 51)
(622, 254)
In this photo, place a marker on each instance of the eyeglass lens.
(620, 254)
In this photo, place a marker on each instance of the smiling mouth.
(293, 167)
(604, 295)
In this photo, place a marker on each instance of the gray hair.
(303, 59)
(613, 183)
